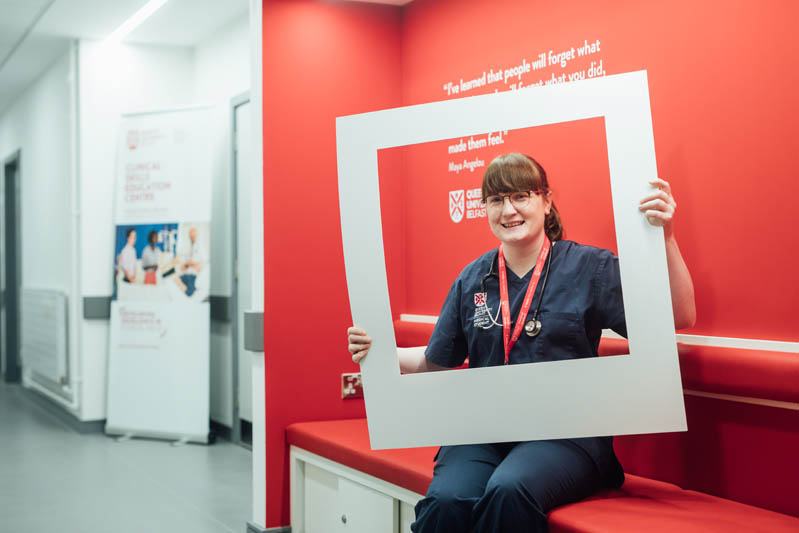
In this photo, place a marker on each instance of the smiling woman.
(562, 295)
(530, 216)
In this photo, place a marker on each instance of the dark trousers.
(190, 281)
(506, 487)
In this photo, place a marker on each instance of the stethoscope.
(533, 326)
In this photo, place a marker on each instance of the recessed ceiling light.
(137, 18)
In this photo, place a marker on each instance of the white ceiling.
(34, 33)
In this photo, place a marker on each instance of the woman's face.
(516, 221)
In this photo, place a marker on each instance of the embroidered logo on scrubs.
(482, 316)
(457, 205)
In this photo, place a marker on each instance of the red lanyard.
(509, 340)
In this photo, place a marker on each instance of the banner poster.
(158, 368)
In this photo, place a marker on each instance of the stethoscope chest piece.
(532, 327)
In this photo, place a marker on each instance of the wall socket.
(351, 386)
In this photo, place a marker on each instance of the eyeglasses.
(518, 200)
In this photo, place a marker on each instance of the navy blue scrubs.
(511, 486)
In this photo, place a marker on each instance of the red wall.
(722, 85)
(738, 451)
(320, 60)
(588, 216)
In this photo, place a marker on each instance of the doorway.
(10, 270)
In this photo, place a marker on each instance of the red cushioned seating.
(644, 504)
(640, 505)
(411, 334)
(347, 442)
(753, 373)
(741, 448)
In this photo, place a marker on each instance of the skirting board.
(202, 439)
(82, 427)
(255, 528)
(222, 430)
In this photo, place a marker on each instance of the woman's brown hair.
(516, 172)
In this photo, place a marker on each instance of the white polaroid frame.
(638, 393)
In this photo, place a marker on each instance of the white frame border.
(640, 393)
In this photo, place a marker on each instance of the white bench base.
(328, 497)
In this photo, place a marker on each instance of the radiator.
(43, 332)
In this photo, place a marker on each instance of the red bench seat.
(640, 505)
(741, 407)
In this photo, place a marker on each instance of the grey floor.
(53, 479)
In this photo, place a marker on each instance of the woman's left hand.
(659, 206)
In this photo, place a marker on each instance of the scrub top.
(581, 298)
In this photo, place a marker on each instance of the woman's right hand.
(359, 343)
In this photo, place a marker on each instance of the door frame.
(235, 311)
(11, 263)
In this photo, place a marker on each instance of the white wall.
(130, 78)
(114, 80)
(222, 72)
(40, 124)
(66, 125)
